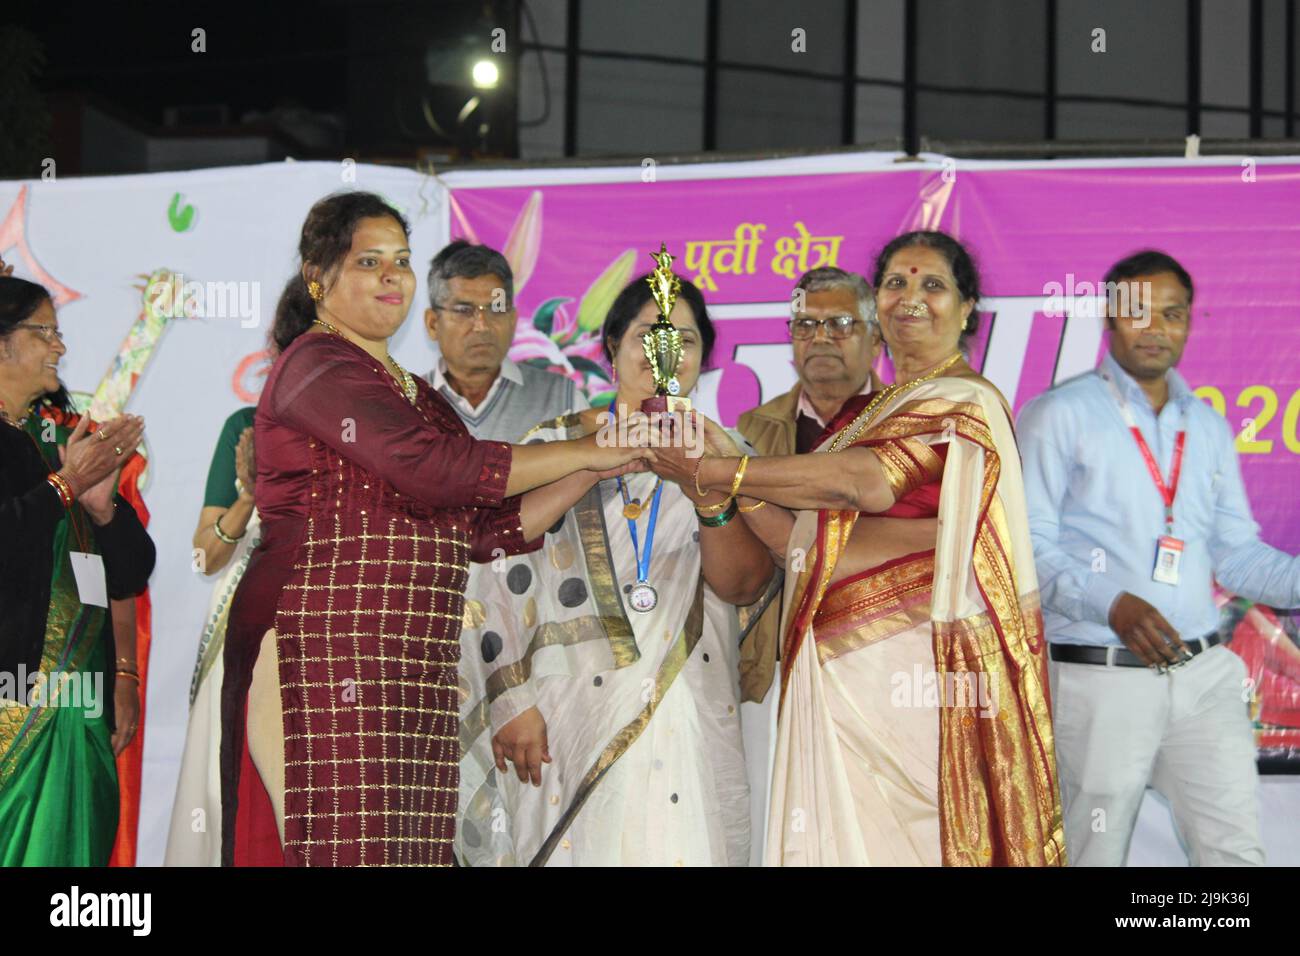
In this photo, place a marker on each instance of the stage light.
(485, 75)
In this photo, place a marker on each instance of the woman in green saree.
(66, 547)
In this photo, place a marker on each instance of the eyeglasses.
(837, 326)
(48, 332)
(467, 312)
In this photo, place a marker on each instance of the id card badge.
(1169, 554)
(92, 585)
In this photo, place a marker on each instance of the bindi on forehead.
(915, 270)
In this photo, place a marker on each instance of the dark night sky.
(363, 61)
(138, 56)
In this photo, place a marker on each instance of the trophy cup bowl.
(663, 349)
(662, 341)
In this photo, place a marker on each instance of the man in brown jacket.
(836, 341)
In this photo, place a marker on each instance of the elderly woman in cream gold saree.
(914, 726)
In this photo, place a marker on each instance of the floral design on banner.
(563, 334)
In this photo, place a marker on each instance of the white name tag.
(92, 585)
(1169, 554)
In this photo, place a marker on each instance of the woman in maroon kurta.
(374, 499)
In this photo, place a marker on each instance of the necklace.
(403, 379)
(632, 507)
(20, 424)
(849, 434)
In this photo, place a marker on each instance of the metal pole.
(571, 40)
(1193, 67)
(911, 141)
(1290, 68)
(1256, 69)
(1049, 81)
(849, 103)
(711, 18)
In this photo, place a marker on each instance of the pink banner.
(1043, 237)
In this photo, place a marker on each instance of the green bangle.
(216, 527)
(717, 521)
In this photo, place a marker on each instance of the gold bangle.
(131, 675)
(713, 509)
(740, 475)
(696, 477)
(747, 510)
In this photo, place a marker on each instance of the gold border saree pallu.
(997, 793)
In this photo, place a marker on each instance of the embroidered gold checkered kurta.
(372, 509)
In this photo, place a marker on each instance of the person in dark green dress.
(59, 509)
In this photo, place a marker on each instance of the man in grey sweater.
(472, 320)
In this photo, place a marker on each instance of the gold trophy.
(662, 342)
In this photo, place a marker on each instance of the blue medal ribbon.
(643, 560)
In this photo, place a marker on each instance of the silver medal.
(643, 598)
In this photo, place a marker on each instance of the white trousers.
(1186, 733)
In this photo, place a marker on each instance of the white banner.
(229, 239)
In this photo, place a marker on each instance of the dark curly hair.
(326, 239)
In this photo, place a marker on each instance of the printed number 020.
(1248, 440)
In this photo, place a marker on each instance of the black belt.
(1123, 657)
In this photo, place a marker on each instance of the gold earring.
(315, 291)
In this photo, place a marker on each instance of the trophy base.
(665, 404)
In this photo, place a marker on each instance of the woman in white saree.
(914, 726)
(228, 532)
(623, 725)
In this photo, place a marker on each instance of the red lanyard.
(1167, 491)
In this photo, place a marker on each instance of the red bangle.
(61, 488)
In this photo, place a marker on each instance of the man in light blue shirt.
(1129, 536)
